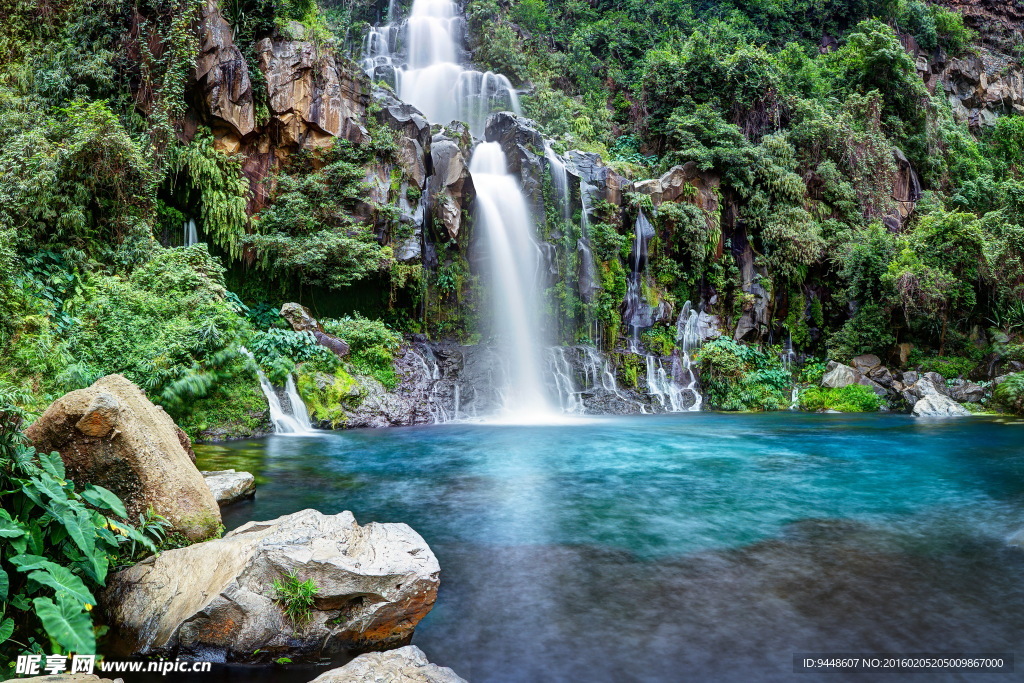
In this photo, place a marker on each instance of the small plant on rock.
(296, 597)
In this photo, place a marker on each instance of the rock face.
(302, 320)
(450, 187)
(523, 146)
(216, 599)
(229, 486)
(937, 405)
(111, 435)
(223, 78)
(405, 665)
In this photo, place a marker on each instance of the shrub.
(948, 367)
(855, 398)
(372, 346)
(1009, 395)
(738, 377)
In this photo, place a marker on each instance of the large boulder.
(229, 486)
(301, 320)
(112, 435)
(965, 391)
(937, 405)
(838, 376)
(216, 600)
(405, 665)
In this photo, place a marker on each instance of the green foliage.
(296, 597)
(199, 175)
(311, 232)
(1009, 394)
(168, 326)
(59, 543)
(854, 398)
(372, 346)
(739, 377)
(949, 367)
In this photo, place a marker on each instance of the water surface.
(684, 547)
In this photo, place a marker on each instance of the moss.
(327, 395)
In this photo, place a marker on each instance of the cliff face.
(999, 23)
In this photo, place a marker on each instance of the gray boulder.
(919, 389)
(229, 486)
(838, 376)
(965, 391)
(937, 405)
(216, 600)
(866, 363)
(405, 665)
(938, 381)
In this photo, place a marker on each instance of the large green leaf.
(50, 488)
(6, 629)
(68, 624)
(28, 563)
(61, 580)
(52, 464)
(5, 584)
(105, 500)
(9, 528)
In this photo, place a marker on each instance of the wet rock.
(591, 169)
(301, 320)
(965, 391)
(111, 435)
(223, 79)
(937, 405)
(405, 665)
(229, 486)
(413, 133)
(524, 150)
(450, 186)
(216, 600)
(754, 319)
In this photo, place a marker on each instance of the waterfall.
(513, 260)
(559, 180)
(298, 422)
(638, 312)
(569, 397)
(589, 282)
(191, 235)
(688, 338)
(432, 77)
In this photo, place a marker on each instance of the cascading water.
(688, 339)
(190, 233)
(433, 78)
(513, 259)
(298, 422)
(638, 311)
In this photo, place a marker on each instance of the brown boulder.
(112, 435)
(301, 320)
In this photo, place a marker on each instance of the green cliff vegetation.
(812, 117)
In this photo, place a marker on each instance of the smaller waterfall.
(298, 422)
(688, 337)
(569, 397)
(559, 180)
(638, 311)
(191, 234)
(663, 387)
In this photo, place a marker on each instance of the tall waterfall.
(513, 259)
(433, 77)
